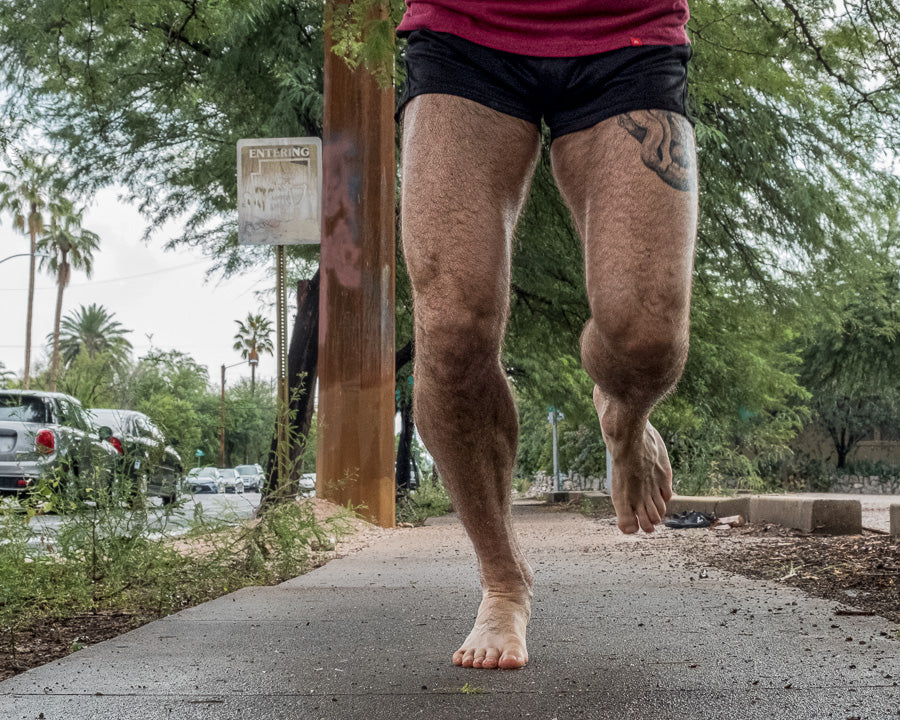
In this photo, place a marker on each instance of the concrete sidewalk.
(623, 627)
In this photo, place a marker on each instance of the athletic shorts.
(569, 94)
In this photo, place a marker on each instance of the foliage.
(429, 499)
(796, 106)
(154, 94)
(852, 359)
(362, 32)
(6, 376)
(253, 334)
(96, 380)
(106, 555)
(67, 246)
(93, 330)
(249, 419)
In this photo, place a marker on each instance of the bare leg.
(630, 183)
(466, 171)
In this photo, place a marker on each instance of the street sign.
(279, 191)
(199, 453)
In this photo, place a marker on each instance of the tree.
(68, 246)
(796, 104)
(25, 190)
(92, 330)
(851, 364)
(173, 390)
(254, 336)
(6, 376)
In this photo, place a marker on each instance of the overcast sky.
(163, 297)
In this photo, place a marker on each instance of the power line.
(91, 283)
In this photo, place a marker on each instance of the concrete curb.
(831, 517)
(895, 520)
(827, 516)
(718, 506)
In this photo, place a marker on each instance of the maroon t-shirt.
(562, 28)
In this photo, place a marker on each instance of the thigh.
(631, 185)
(466, 170)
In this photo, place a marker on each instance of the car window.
(22, 409)
(73, 415)
(109, 418)
(208, 472)
(245, 470)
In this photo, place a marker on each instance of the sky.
(163, 297)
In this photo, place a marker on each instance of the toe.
(644, 520)
(512, 659)
(478, 659)
(628, 524)
(491, 658)
(458, 656)
(468, 659)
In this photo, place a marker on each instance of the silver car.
(252, 475)
(231, 481)
(207, 479)
(44, 433)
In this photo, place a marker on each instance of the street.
(214, 507)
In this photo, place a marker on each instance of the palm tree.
(25, 190)
(5, 375)
(67, 246)
(93, 330)
(253, 337)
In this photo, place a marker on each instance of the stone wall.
(866, 485)
(543, 483)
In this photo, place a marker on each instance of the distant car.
(150, 462)
(42, 433)
(308, 484)
(231, 481)
(207, 479)
(252, 475)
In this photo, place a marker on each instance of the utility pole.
(355, 455)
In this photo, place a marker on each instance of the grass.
(107, 556)
(429, 499)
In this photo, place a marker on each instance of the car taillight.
(117, 444)
(45, 442)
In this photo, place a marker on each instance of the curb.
(825, 516)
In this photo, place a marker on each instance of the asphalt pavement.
(623, 628)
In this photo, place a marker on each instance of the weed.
(429, 499)
(471, 690)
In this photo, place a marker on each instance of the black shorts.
(570, 94)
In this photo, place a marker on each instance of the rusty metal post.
(355, 454)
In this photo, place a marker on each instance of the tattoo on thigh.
(666, 145)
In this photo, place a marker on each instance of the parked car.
(308, 484)
(252, 475)
(145, 457)
(231, 481)
(206, 479)
(43, 433)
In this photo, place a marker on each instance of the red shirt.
(562, 28)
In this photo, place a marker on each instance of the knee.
(457, 346)
(647, 343)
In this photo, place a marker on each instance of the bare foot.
(641, 473)
(498, 638)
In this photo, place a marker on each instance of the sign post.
(279, 192)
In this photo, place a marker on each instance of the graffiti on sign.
(279, 191)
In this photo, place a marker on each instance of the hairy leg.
(630, 182)
(466, 171)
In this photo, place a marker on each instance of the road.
(218, 507)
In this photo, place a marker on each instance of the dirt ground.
(860, 571)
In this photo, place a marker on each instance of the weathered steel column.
(355, 456)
